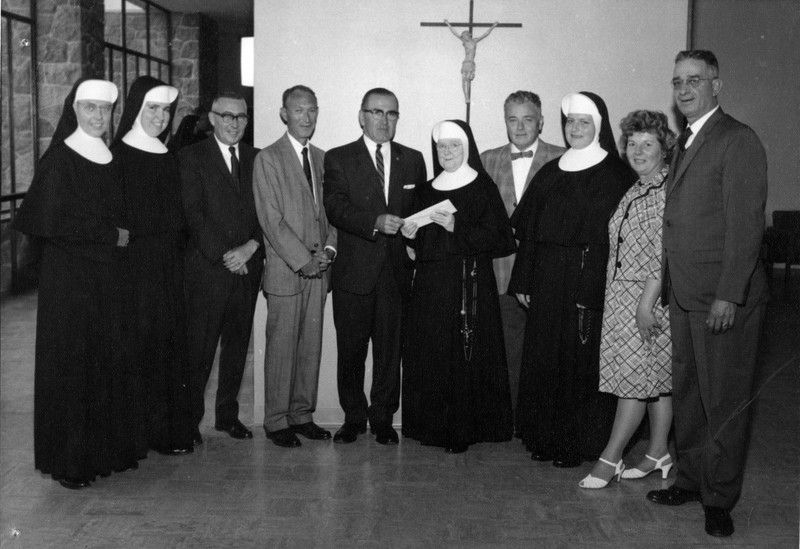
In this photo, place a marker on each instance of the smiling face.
(154, 118)
(695, 102)
(380, 130)
(451, 153)
(579, 130)
(523, 123)
(93, 116)
(229, 133)
(645, 154)
(300, 115)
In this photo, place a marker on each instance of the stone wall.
(70, 44)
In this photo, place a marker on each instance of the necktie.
(682, 139)
(517, 156)
(379, 164)
(307, 170)
(234, 163)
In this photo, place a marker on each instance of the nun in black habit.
(559, 275)
(154, 269)
(455, 376)
(74, 209)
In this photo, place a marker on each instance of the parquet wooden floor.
(242, 494)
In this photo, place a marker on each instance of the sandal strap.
(608, 462)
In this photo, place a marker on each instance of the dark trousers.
(219, 312)
(712, 380)
(358, 319)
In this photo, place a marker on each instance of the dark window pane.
(136, 25)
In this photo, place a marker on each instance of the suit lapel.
(218, 161)
(395, 178)
(692, 151)
(367, 166)
(298, 175)
(539, 160)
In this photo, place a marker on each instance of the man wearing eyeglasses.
(716, 288)
(369, 189)
(224, 260)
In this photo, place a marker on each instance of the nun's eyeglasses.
(693, 82)
(379, 114)
(91, 108)
(229, 117)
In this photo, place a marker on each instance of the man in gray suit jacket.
(512, 167)
(300, 245)
(717, 290)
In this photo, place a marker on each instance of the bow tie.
(526, 154)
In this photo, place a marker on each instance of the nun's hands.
(409, 230)
(445, 219)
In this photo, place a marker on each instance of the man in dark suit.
(224, 260)
(512, 167)
(369, 188)
(300, 245)
(717, 290)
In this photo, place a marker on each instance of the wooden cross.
(470, 47)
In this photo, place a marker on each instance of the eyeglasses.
(229, 117)
(380, 115)
(91, 108)
(693, 82)
(449, 147)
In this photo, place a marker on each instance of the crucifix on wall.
(470, 47)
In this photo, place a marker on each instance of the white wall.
(622, 50)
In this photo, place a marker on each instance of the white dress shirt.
(521, 167)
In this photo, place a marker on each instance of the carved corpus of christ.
(470, 49)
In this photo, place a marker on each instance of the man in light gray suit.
(512, 167)
(300, 245)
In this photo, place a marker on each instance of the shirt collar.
(533, 147)
(371, 145)
(224, 148)
(698, 124)
(298, 147)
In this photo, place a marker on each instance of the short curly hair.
(654, 122)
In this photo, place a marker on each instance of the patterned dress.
(630, 368)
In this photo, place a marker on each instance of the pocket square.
(408, 186)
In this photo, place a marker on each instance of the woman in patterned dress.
(635, 351)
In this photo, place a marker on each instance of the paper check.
(423, 217)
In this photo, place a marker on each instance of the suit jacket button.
(619, 264)
(514, 204)
(620, 240)
(668, 223)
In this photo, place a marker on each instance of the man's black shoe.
(673, 496)
(235, 430)
(285, 438)
(311, 431)
(386, 435)
(348, 433)
(718, 521)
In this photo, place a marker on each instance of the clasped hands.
(319, 263)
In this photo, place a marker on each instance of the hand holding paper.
(423, 217)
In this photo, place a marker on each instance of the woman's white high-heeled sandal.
(594, 482)
(660, 465)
